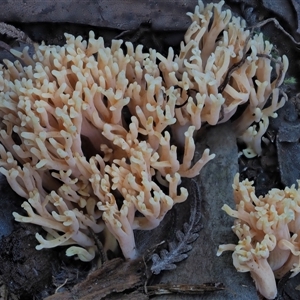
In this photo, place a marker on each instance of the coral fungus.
(268, 229)
(86, 129)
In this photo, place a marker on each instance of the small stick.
(277, 62)
(4, 46)
(102, 254)
(278, 26)
(237, 65)
(189, 289)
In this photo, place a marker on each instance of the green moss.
(290, 80)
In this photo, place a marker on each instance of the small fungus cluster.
(89, 134)
(268, 228)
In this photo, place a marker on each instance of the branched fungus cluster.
(89, 134)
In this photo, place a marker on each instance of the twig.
(146, 259)
(279, 77)
(188, 96)
(137, 32)
(150, 251)
(235, 66)
(278, 26)
(102, 254)
(148, 275)
(4, 46)
(188, 289)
